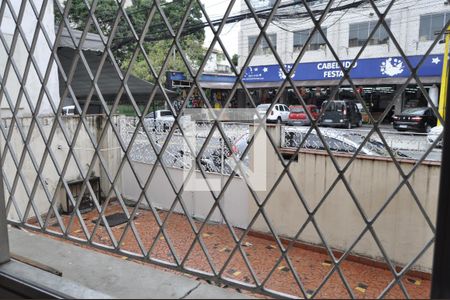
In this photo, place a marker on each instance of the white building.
(412, 22)
(217, 63)
(42, 57)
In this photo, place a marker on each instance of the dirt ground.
(365, 281)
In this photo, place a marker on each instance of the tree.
(235, 60)
(158, 40)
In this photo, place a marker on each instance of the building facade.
(379, 70)
(43, 62)
(217, 63)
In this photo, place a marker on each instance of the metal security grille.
(46, 144)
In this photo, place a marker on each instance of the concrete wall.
(20, 56)
(82, 149)
(401, 229)
(198, 204)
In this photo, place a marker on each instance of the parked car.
(161, 115)
(340, 113)
(68, 110)
(279, 113)
(298, 116)
(434, 134)
(160, 120)
(418, 119)
(337, 141)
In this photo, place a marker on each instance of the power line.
(263, 13)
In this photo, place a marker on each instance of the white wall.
(41, 56)
(83, 149)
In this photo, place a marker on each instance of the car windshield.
(333, 106)
(297, 109)
(418, 111)
(263, 107)
(165, 113)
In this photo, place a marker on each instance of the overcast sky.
(216, 9)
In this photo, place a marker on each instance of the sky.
(216, 9)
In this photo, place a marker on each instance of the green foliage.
(235, 60)
(158, 39)
(105, 13)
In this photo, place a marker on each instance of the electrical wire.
(187, 30)
(287, 28)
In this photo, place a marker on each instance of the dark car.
(340, 113)
(418, 119)
(298, 116)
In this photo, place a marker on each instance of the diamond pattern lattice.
(45, 154)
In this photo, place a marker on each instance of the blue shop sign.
(386, 67)
(176, 75)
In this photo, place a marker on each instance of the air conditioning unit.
(87, 203)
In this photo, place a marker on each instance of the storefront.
(217, 88)
(376, 80)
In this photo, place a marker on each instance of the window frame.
(430, 36)
(316, 42)
(263, 47)
(380, 37)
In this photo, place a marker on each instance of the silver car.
(434, 134)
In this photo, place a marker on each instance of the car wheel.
(279, 120)
(349, 125)
(427, 128)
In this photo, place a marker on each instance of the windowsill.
(376, 45)
(33, 278)
(310, 50)
(107, 274)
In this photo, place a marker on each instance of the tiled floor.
(365, 281)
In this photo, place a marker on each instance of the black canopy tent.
(109, 82)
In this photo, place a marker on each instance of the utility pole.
(444, 78)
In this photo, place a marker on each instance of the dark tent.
(109, 82)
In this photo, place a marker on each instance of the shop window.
(359, 33)
(263, 47)
(317, 41)
(432, 24)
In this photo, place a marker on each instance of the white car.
(434, 134)
(68, 110)
(160, 120)
(161, 115)
(279, 113)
